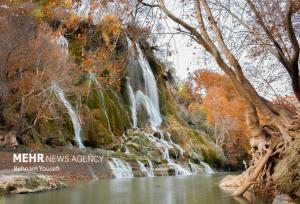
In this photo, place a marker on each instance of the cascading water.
(179, 169)
(150, 83)
(147, 171)
(150, 169)
(120, 169)
(207, 168)
(132, 104)
(74, 118)
(194, 168)
(143, 101)
(92, 78)
(142, 86)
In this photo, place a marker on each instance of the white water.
(145, 102)
(126, 150)
(148, 171)
(120, 169)
(207, 168)
(164, 146)
(132, 104)
(145, 96)
(74, 118)
(194, 168)
(150, 83)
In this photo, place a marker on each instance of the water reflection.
(157, 190)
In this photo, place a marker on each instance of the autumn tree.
(30, 60)
(210, 33)
(224, 111)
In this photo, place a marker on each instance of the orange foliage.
(224, 107)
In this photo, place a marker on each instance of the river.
(200, 189)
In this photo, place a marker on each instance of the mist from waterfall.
(142, 87)
(74, 118)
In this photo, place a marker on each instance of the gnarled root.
(251, 179)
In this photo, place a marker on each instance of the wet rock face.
(11, 184)
(157, 134)
(174, 153)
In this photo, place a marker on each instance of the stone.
(231, 181)
(283, 199)
(28, 183)
(157, 134)
(174, 153)
(123, 148)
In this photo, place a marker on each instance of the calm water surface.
(200, 189)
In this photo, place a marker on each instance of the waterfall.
(154, 116)
(92, 77)
(194, 168)
(126, 150)
(150, 83)
(142, 87)
(207, 168)
(147, 171)
(179, 169)
(132, 104)
(150, 169)
(74, 118)
(162, 145)
(120, 169)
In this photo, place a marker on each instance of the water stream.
(120, 168)
(148, 171)
(74, 118)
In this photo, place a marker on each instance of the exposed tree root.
(251, 179)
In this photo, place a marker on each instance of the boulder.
(174, 153)
(283, 199)
(157, 134)
(232, 181)
(123, 148)
(11, 184)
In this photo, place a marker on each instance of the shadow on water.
(200, 189)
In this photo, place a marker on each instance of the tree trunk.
(251, 179)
